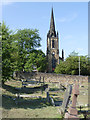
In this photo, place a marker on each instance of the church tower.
(52, 46)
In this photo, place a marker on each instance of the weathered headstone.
(48, 96)
(66, 99)
(72, 111)
(47, 93)
(51, 101)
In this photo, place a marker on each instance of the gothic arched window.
(53, 44)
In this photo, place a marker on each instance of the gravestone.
(51, 101)
(47, 93)
(40, 79)
(72, 111)
(66, 99)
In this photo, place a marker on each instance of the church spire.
(52, 25)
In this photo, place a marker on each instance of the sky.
(71, 22)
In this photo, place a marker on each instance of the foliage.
(71, 66)
(6, 53)
(27, 40)
(36, 58)
(19, 51)
(60, 68)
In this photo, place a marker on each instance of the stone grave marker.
(40, 79)
(51, 101)
(72, 111)
(66, 99)
(47, 93)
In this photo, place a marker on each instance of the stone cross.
(72, 111)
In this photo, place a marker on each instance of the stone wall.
(52, 77)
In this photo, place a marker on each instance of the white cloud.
(69, 18)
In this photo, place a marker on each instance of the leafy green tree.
(61, 68)
(6, 53)
(71, 66)
(16, 49)
(84, 65)
(27, 40)
(36, 58)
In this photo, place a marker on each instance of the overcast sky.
(71, 21)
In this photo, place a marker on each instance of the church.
(53, 57)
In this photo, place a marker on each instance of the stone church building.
(53, 47)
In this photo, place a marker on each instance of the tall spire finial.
(52, 25)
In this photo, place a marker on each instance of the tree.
(71, 66)
(6, 53)
(36, 58)
(16, 49)
(84, 65)
(27, 40)
(61, 68)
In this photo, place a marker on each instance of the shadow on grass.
(9, 102)
(58, 101)
(53, 94)
(22, 90)
(54, 89)
(9, 88)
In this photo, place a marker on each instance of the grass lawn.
(26, 107)
(34, 107)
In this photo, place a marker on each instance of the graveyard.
(44, 79)
(32, 101)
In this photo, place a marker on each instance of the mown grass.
(34, 107)
(26, 107)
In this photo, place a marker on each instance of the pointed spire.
(52, 25)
